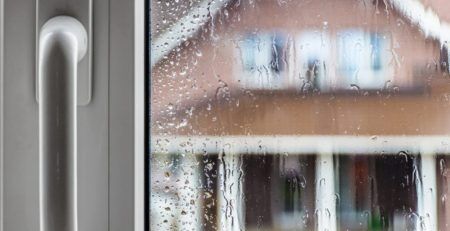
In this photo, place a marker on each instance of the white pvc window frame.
(1, 110)
(127, 120)
(139, 113)
(126, 126)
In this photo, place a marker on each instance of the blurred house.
(266, 69)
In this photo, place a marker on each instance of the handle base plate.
(82, 11)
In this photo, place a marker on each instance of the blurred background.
(300, 115)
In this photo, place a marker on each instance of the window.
(363, 59)
(313, 52)
(263, 60)
(302, 115)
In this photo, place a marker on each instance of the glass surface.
(300, 115)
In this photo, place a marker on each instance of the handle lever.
(62, 44)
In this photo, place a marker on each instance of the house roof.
(185, 26)
(423, 14)
(441, 7)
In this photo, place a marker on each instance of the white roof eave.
(426, 19)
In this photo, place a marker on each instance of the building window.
(278, 53)
(444, 58)
(376, 44)
(263, 62)
(313, 51)
(363, 60)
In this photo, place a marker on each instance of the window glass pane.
(299, 115)
(313, 53)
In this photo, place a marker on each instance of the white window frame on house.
(341, 61)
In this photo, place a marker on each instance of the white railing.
(301, 144)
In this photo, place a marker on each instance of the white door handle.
(62, 44)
